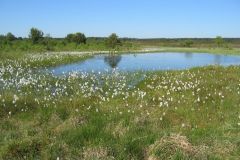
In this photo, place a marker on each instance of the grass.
(190, 114)
(20, 48)
(26, 46)
(234, 51)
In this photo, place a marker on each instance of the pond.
(146, 62)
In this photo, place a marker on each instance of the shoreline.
(234, 51)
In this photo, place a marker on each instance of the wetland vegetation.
(186, 114)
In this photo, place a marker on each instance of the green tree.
(2, 37)
(77, 38)
(113, 41)
(69, 37)
(219, 41)
(10, 37)
(80, 38)
(188, 43)
(35, 35)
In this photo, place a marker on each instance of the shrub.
(35, 35)
(188, 43)
(10, 37)
(77, 38)
(219, 41)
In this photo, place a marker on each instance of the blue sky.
(128, 18)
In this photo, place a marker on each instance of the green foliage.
(70, 37)
(2, 37)
(113, 41)
(10, 37)
(71, 42)
(35, 35)
(219, 41)
(77, 38)
(188, 43)
(48, 42)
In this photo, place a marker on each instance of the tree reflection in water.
(112, 60)
(188, 55)
(217, 59)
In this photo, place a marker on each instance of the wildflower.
(183, 125)
(198, 99)
(56, 84)
(15, 97)
(161, 104)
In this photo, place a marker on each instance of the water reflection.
(188, 55)
(112, 60)
(146, 62)
(217, 59)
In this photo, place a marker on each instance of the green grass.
(235, 51)
(8, 49)
(169, 122)
(19, 48)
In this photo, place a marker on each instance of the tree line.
(37, 36)
(37, 39)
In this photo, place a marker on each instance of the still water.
(146, 62)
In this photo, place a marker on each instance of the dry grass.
(168, 146)
(96, 153)
(72, 122)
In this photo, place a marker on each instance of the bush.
(188, 43)
(2, 37)
(35, 35)
(77, 38)
(219, 41)
(10, 37)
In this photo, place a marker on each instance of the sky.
(127, 18)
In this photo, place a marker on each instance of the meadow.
(186, 114)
